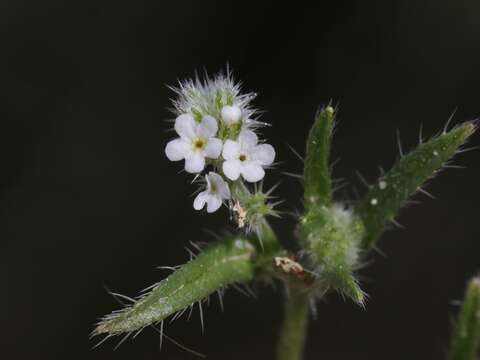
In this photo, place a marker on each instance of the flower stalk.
(295, 322)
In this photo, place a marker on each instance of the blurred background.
(88, 198)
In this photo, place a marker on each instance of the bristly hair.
(208, 95)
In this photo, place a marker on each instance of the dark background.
(88, 198)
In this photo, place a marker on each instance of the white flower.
(246, 157)
(231, 114)
(217, 191)
(196, 142)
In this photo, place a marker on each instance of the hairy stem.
(294, 331)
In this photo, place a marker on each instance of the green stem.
(294, 331)
(466, 337)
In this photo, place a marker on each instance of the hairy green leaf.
(216, 267)
(318, 184)
(389, 194)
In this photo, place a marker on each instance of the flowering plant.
(217, 138)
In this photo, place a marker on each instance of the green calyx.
(197, 114)
(229, 131)
(223, 97)
(250, 208)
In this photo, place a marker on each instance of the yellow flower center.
(199, 144)
(242, 157)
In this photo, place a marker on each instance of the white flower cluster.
(216, 128)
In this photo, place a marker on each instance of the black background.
(88, 198)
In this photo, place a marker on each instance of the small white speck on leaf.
(382, 184)
(374, 201)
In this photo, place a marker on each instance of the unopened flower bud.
(231, 114)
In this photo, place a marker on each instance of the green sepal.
(222, 264)
(466, 337)
(392, 190)
(318, 184)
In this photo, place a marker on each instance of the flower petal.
(231, 150)
(247, 139)
(214, 179)
(231, 169)
(194, 163)
(177, 149)
(208, 127)
(200, 200)
(185, 126)
(213, 149)
(263, 153)
(213, 203)
(252, 171)
(221, 186)
(224, 191)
